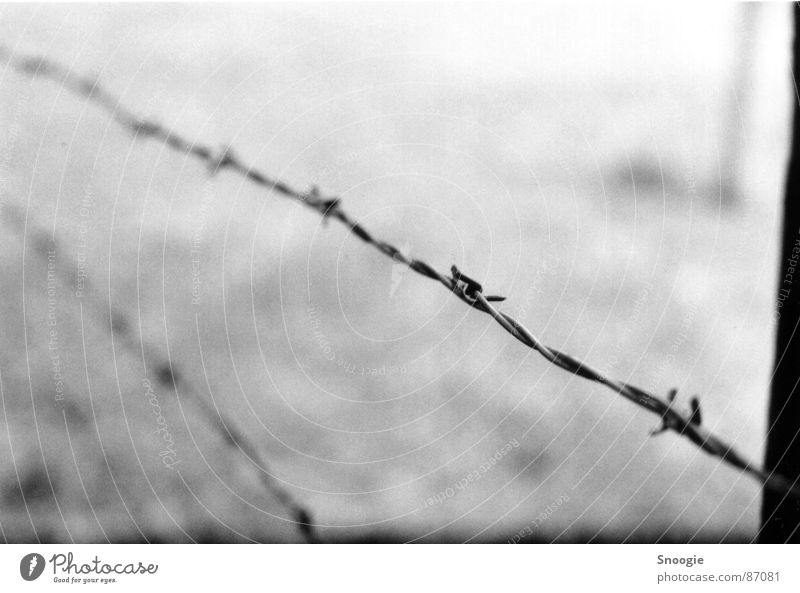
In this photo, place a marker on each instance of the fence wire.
(687, 423)
(167, 373)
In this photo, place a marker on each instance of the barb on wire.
(470, 286)
(464, 287)
(168, 376)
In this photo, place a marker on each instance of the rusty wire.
(686, 424)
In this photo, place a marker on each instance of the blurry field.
(576, 162)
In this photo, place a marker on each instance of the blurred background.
(614, 170)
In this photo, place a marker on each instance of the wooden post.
(780, 517)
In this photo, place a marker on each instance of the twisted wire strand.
(466, 289)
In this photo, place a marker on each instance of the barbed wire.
(687, 424)
(168, 374)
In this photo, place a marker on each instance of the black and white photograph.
(399, 272)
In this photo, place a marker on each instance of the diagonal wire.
(169, 376)
(686, 424)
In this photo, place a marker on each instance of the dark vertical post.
(780, 516)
